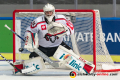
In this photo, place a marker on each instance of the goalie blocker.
(75, 62)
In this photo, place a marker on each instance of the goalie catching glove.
(57, 29)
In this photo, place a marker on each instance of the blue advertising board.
(111, 28)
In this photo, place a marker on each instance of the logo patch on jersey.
(33, 24)
(43, 27)
(50, 37)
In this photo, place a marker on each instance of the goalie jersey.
(39, 26)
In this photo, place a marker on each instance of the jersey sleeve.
(34, 26)
(68, 24)
(70, 27)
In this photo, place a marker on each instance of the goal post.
(87, 40)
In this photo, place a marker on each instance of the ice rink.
(48, 74)
(7, 75)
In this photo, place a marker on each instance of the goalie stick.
(20, 70)
(40, 53)
(54, 64)
(11, 63)
(14, 32)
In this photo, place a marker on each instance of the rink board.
(9, 56)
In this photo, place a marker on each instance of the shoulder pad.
(61, 16)
(37, 20)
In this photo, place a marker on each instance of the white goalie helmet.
(49, 7)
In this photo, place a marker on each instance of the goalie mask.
(49, 11)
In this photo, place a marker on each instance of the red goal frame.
(65, 10)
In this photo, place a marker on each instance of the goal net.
(86, 42)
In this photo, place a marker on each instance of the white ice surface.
(47, 74)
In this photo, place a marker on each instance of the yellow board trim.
(9, 56)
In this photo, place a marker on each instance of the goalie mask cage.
(88, 36)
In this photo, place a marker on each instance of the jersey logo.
(50, 37)
(43, 27)
(33, 23)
